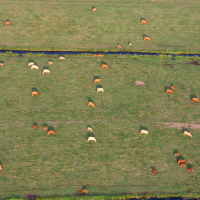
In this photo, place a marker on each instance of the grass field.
(71, 25)
(60, 165)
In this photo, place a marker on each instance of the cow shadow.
(34, 90)
(35, 124)
(7, 20)
(153, 168)
(129, 43)
(1, 61)
(144, 35)
(90, 134)
(189, 166)
(96, 77)
(192, 96)
(99, 86)
(103, 63)
(90, 100)
(45, 125)
(167, 88)
(88, 126)
(45, 67)
(51, 128)
(142, 128)
(93, 7)
(30, 60)
(184, 129)
(0, 162)
(171, 84)
(175, 151)
(142, 19)
(31, 196)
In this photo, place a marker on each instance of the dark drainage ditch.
(20, 52)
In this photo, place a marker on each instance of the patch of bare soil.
(180, 125)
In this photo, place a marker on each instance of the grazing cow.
(45, 128)
(2, 64)
(95, 55)
(100, 90)
(30, 63)
(104, 66)
(91, 139)
(91, 104)
(61, 58)
(50, 62)
(1, 167)
(100, 55)
(147, 38)
(177, 155)
(181, 161)
(190, 169)
(173, 87)
(51, 132)
(186, 133)
(84, 191)
(195, 100)
(89, 129)
(144, 21)
(129, 44)
(35, 126)
(7, 23)
(94, 9)
(35, 93)
(183, 165)
(119, 46)
(97, 80)
(34, 67)
(154, 171)
(46, 71)
(144, 132)
(169, 91)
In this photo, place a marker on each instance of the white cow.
(100, 90)
(90, 129)
(144, 132)
(187, 133)
(46, 71)
(30, 63)
(61, 58)
(91, 139)
(34, 67)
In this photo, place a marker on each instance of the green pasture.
(120, 161)
(71, 25)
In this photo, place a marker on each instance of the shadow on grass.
(189, 166)
(30, 60)
(96, 77)
(45, 125)
(167, 88)
(34, 123)
(144, 35)
(1, 61)
(51, 128)
(152, 168)
(31, 196)
(90, 134)
(45, 67)
(99, 86)
(142, 19)
(192, 96)
(184, 129)
(142, 128)
(88, 126)
(103, 63)
(171, 84)
(90, 100)
(35, 90)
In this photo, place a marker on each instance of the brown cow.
(169, 91)
(94, 9)
(154, 171)
(177, 155)
(100, 55)
(190, 169)
(45, 128)
(119, 46)
(51, 132)
(7, 23)
(1, 167)
(97, 80)
(35, 93)
(173, 87)
(35, 126)
(104, 66)
(144, 21)
(50, 63)
(183, 164)
(2, 64)
(91, 104)
(181, 161)
(84, 191)
(195, 100)
(147, 38)
(95, 55)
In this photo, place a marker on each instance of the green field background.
(120, 161)
(71, 25)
